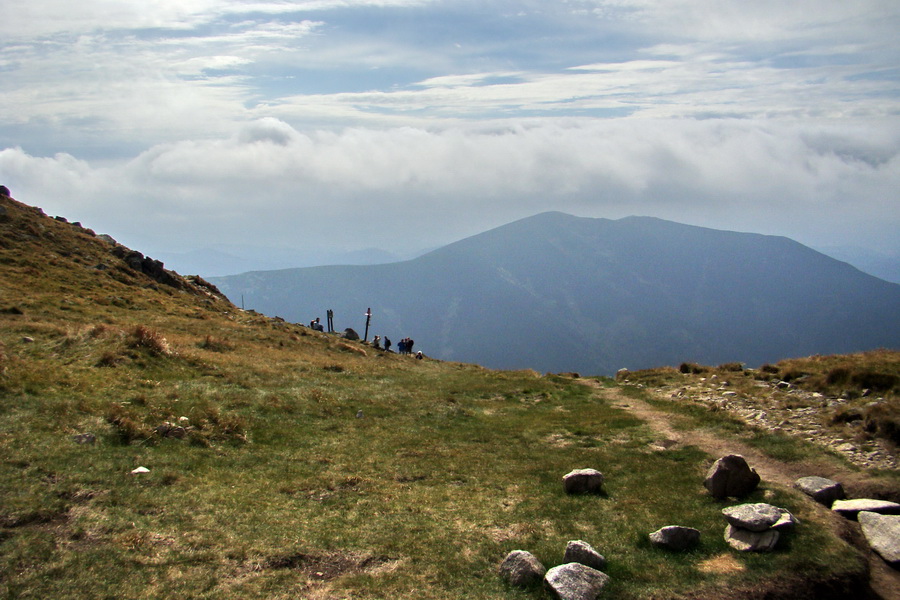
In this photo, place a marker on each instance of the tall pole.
(368, 318)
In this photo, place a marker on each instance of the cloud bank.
(411, 123)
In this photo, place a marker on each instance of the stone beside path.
(822, 490)
(883, 534)
(731, 476)
(851, 508)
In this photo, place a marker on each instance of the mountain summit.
(556, 292)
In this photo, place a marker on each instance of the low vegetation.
(285, 463)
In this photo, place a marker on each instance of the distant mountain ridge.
(556, 292)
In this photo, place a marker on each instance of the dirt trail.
(885, 581)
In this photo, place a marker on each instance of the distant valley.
(561, 293)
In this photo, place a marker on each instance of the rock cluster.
(784, 408)
(878, 519)
(756, 527)
(578, 578)
(750, 527)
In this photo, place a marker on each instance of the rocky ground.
(782, 407)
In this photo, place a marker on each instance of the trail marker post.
(368, 318)
(330, 314)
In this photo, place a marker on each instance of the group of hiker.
(404, 346)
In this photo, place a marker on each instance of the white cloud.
(241, 118)
(268, 178)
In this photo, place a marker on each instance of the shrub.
(883, 420)
(126, 425)
(735, 367)
(692, 368)
(151, 340)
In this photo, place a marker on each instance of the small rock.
(675, 537)
(27, 339)
(851, 508)
(140, 471)
(574, 581)
(84, 438)
(745, 540)
(820, 489)
(581, 552)
(522, 569)
(583, 481)
(359, 414)
(883, 534)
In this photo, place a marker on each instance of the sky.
(314, 125)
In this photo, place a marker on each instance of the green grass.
(278, 490)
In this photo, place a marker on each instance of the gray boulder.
(731, 476)
(522, 569)
(758, 517)
(581, 552)
(574, 581)
(745, 540)
(824, 491)
(583, 481)
(350, 334)
(851, 508)
(675, 537)
(883, 534)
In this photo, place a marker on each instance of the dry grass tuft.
(151, 340)
(723, 564)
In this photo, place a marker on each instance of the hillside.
(559, 293)
(158, 442)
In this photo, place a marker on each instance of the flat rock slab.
(675, 537)
(522, 569)
(851, 508)
(574, 581)
(820, 489)
(758, 517)
(745, 540)
(883, 534)
(583, 481)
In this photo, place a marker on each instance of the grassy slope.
(279, 490)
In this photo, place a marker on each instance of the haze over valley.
(560, 293)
